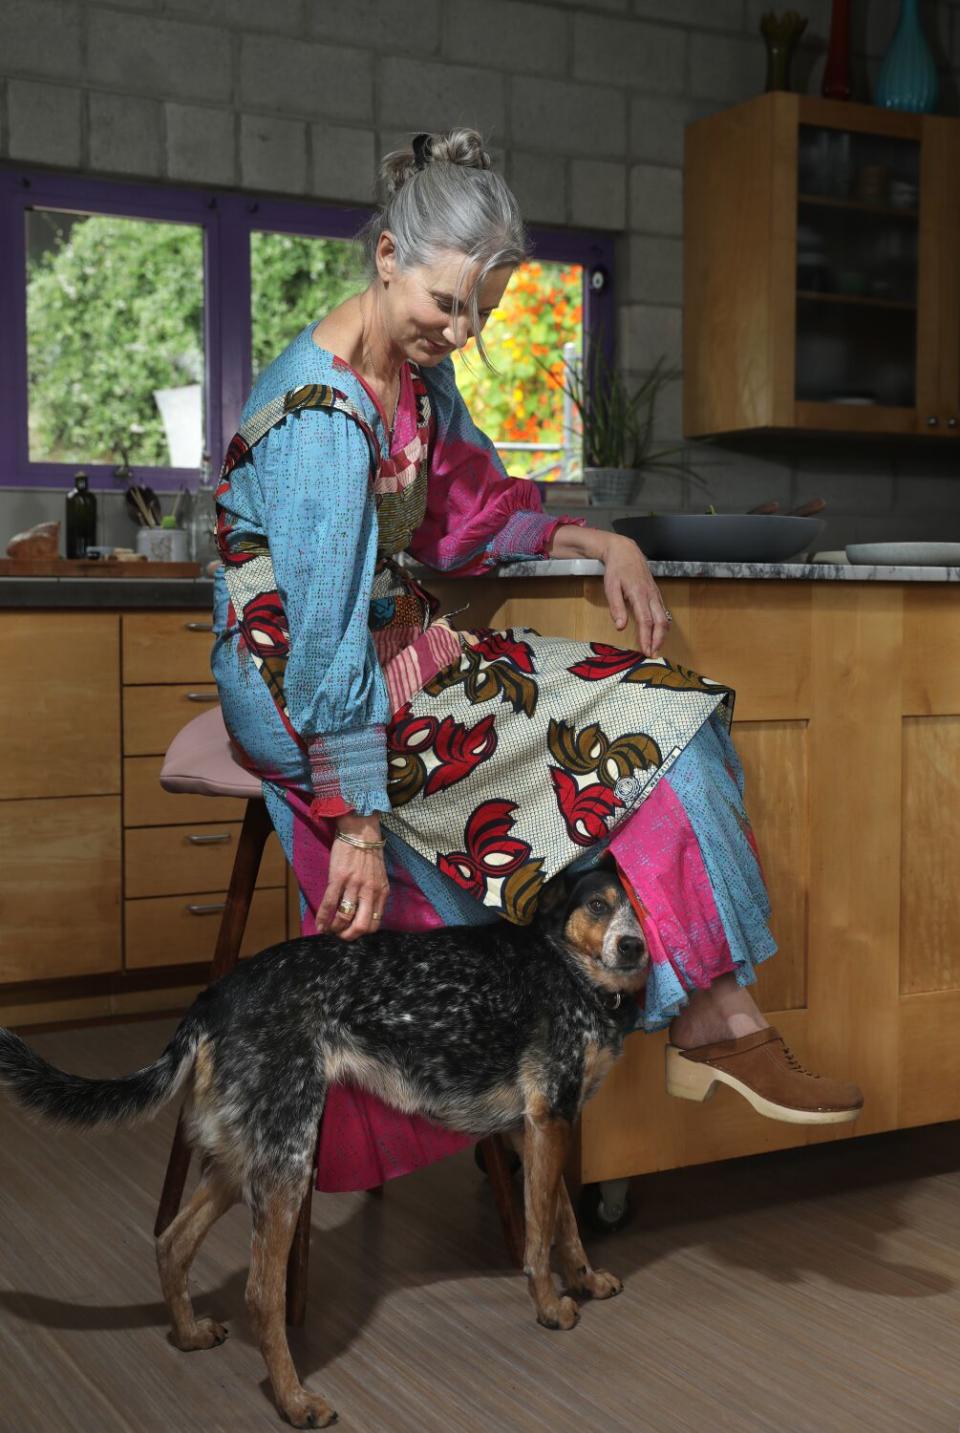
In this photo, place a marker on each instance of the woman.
(417, 775)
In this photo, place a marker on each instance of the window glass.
(115, 350)
(295, 278)
(521, 406)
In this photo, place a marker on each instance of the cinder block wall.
(584, 105)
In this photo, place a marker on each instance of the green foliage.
(617, 421)
(294, 278)
(114, 310)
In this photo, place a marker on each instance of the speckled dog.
(481, 1029)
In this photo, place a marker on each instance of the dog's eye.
(597, 906)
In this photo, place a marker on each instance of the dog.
(484, 1029)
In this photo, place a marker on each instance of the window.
(135, 318)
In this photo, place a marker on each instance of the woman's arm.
(628, 582)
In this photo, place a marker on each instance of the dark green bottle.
(81, 518)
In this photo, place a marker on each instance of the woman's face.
(418, 303)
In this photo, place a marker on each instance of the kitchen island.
(847, 721)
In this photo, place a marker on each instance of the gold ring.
(668, 615)
(376, 915)
(347, 908)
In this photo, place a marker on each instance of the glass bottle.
(81, 518)
(203, 517)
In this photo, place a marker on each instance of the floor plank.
(808, 1291)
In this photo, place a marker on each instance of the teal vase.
(908, 75)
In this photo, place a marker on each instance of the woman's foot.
(724, 1011)
(722, 1038)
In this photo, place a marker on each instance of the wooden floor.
(810, 1291)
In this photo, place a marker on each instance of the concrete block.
(567, 118)
(656, 270)
(124, 134)
(201, 144)
(344, 164)
(629, 52)
(723, 68)
(438, 96)
(169, 58)
(656, 128)
(298, 77)
(735, 482)
(617, 6)
(851, 481)
(40, 37)
(506, 35)
(598, 193)
(44, 123)
(278, 17)
(396, 26)
(705, 14)
(273, 154)
(656, 199)
(647, 333)
(540, 183)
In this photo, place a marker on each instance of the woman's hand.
(627, 581)
(630, 588)
(357, 879)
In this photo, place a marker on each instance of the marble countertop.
(173, 593)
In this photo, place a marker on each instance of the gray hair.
(441, 195)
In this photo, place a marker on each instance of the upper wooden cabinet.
(822, 270)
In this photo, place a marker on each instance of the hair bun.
(463, 147)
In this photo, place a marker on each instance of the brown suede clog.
(763, 1070)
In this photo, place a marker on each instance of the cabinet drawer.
(145, 803)
(182, 930)
(152, 716)
(167, 647)
(171, 860)
(59, 704)
(60, 890)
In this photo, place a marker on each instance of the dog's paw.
(564, 1315)
(599, 1284)
(207, 1334)
(307, 1410)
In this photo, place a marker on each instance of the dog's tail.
(71, 1099)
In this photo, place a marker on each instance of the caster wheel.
(510, 1155)
(605, 1207)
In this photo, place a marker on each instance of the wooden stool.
(200, 762)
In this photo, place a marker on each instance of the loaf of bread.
(40, 542)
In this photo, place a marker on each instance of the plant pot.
(612, 486)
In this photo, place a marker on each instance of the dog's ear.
(553, 897)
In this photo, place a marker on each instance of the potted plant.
(617, 423)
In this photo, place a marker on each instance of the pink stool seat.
(199, 761)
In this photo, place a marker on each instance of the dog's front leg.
(275, 1214)
(574, 1264)
(546, 1142)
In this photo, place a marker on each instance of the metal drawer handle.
(210, 840)
(207, 910)
(203, 696)
(199, 626)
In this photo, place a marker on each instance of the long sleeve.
(314, 473)
(476, 515)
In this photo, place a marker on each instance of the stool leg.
(246, 867)
(505, 1198)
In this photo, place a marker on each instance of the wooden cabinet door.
(59, 704)
(60, 893)
(166, 647)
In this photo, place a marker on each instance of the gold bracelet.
(360, 844)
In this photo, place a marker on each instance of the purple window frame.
(227, 219)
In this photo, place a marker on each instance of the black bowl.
(722, 537)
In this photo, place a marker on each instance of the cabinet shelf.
(859, 205)
(860, 300)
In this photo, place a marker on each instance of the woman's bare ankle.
(724, 1011)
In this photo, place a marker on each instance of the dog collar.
(613, 1000)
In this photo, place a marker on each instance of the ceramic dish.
(722, 537)
(904, 554)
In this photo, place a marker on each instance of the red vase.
(836, 76)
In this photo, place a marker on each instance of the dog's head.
(592, 919)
